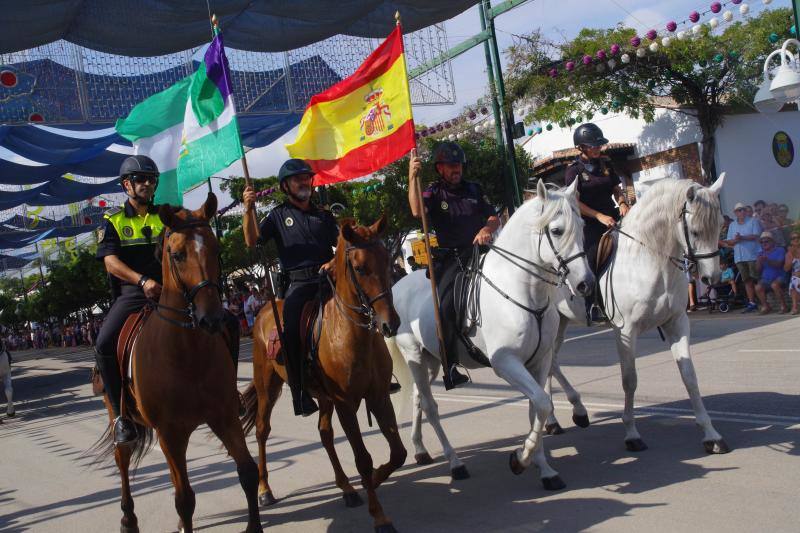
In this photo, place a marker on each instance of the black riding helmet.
(588, 134)
(293, 167)
(138, 164)
(449, 152)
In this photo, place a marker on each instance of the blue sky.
(559, 20)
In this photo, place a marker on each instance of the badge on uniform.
(101, 234)
(444, 206)
(127, 231)
(585, 176)
(289, 222)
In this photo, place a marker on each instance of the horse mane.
(532, 216)
(653, 218)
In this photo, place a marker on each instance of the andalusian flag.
(362, 123)
(189, 129)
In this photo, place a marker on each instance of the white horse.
(5, 377)
(675, 225)
(517, 305)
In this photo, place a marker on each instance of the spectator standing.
(251, 309)
(743, 236)
(792, 265)
(758, 207)
(770, 265)
(784, 223)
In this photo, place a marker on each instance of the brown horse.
(182, 373)
(353, 364)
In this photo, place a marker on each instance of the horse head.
(701, 219)
(190, 262)
(363, 267)
(560, 225)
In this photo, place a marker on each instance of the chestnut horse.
(182, 375)
(353, 364)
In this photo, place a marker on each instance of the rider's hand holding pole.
(414, 171)
(152, 289)
(484, 236)
(606, 220)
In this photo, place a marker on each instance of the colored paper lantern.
(716, 7)
(102, 203)
(424, 133)
(666, 41)
(696, 29)
(625, 58)
(767, 2)
(530, 132)
(553, 72)
(587, 60)
(601, 55)
(672, 26)
(635, 41)
(654, 47)
(451, 137)
(694, 16)
(652, 34)
(713, 22)
(737, 2)
(477, 129)
(439, 127)
(8, 78)
(727, 16)
(718, 58)
(611, 64)
(549, 127)
(484, 111)
(744, 9)
(538, 129)
(472, 115)
(604, 110)
(570, 66)
(614, 49)
(733, 54)
(640, 52)
(682, 35)
(773, 38)
(792, 30)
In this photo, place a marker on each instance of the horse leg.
(580, 416)
(129, 522)
(266, 402)
(9, 390)
(384, 414)
(677, 333)
(174, 444)
(349, 493)
(511, 368)
(626, 347)
(424, 374)
(421, 455)
(230, 432)
(349, 421)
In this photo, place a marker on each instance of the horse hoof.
(254, 528)
(514, 464)
(129, 529)
(716, 446)
(460, 472)
(553, 483)
(266, 499)
(385, 528)
(553, 429)
(423, 458)
(582, 421)
(352, 499)
(635, 445)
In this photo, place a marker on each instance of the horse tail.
(251, 408)
(402, 372)
(103, 449)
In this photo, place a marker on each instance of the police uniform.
(305, 241)
(133, 238)
(456, 214)
(596, 182)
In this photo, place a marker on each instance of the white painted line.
(728, 416)
(588, 335)
(776, 350)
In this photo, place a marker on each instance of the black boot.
(124, 431)
(124, 428)
(453, 378)
(232, 326)
(304, 404)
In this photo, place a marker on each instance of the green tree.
(709, 76)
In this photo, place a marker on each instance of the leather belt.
(304, 274)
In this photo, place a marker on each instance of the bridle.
(189, 293)
(365, 307)
(691, 256)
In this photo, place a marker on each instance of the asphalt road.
(749, 372)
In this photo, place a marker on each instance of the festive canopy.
(154, 27)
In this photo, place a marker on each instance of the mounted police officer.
(127, 246)
(462, 217)
(598, 186)
(305, 235)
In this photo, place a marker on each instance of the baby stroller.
(720, 297)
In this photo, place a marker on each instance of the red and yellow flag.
(362, 123)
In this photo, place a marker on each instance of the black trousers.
(446, 266)
(131, 301)
(592, 231)
(297, 295)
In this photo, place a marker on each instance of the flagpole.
(248, 183)
(425, 233)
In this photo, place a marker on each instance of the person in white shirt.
(251, 308)
(743, 234)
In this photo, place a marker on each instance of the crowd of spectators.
(71, 333)
(760, 251)
(245, 305)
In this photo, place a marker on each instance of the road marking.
(775, 350)
(588, 335)
(727, 416)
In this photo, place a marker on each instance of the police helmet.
(293, 167)
(449, 152)
(588, 134)
(138, 164)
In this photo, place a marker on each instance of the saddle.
(309, 327)
(605, 249)
(127, 338)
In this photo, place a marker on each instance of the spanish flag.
(362, 123)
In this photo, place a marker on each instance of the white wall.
(744, 152)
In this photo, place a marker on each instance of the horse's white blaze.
(199, 243)
(643, 290)
(514, 332)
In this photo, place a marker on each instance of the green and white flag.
(190, 129)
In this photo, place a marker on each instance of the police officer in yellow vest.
(127, 246)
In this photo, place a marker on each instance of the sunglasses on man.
(142, 178)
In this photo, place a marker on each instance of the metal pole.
(796, 8)
(498, 127)
(216, 217)
(508, 116)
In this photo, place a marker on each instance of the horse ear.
(717, 185)
(690, 192)
(347, 232)
(210, 206)
(572, 189)
(379, 226)
(167, 215)
(541, 191)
